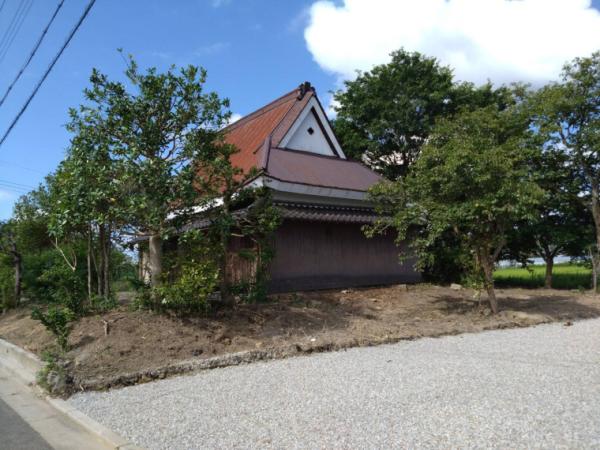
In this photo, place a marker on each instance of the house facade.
(322, 196)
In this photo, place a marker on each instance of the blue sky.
(254, 51)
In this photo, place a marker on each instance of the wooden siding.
(317, 255)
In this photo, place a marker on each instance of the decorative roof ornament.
(304, 88)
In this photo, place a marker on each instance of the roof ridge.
(260, 111)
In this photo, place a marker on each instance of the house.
(322, 196)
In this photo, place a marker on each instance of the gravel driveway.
(535, 387)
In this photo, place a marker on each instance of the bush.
(57, 320)
(64, 286)
(187, 294)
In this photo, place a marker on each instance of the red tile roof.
(258, 135)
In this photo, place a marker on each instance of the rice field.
(565, 276)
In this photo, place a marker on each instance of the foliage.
(7, 282)
(568, 116)
(566, 276)
(153, 129)
(57, 319)
(63, 286)
(385, 115)
(190, 292)
(561, 224)
(470, 180)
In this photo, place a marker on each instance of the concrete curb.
(25, 365)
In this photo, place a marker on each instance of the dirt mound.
(141, 342)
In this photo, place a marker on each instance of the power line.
(33, 52)
(17, 185)
(2, 5)
(39, 84)
(16, 30)
(11, 24)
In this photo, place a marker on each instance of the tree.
(9, 247)
(561, 225)
(385, 115)
(155, 133)
(84, 192)
(569, 115)
(472, 180)
(25, 232)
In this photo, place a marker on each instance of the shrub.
(189, 293)
(102, 303)
(65, 287)
(57, 320)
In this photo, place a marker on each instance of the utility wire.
(13, 188)
(16, 30)
(2, 5)
(39, 84)
(11, 24)
(32, 54)
(18, 185)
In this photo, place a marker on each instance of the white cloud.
(234, 118)
(500, 40)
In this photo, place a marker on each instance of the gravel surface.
(536, 387)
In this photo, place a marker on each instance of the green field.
(565, 276)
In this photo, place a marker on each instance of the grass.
(565, 276)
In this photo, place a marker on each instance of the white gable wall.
(299, 137)
(315, 142)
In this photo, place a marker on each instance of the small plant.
(102, 303)
(53, 376)
(57, 320)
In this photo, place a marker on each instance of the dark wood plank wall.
(317, 255)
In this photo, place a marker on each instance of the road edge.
(25, 365)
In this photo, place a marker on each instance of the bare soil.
(311, 321)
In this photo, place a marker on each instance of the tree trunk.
(549, 266)
(90, 249)
(102, 245)
(596, 216)
(18, 276)
(155, 259)
(594, 259)
(106, 257)
(487, 264)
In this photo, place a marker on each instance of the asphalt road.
(536, 387)
(15, 434)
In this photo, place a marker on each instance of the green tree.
(84, 192)
(386, 115)
(472, 180)
(569, 115)
(10, 247)
(156, 127)
(561, 225)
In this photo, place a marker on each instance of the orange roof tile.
(250, 132)
(259, 134)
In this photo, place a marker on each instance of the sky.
(257, 50)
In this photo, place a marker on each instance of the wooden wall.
(317, 255)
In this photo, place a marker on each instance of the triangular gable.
(311, 132)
